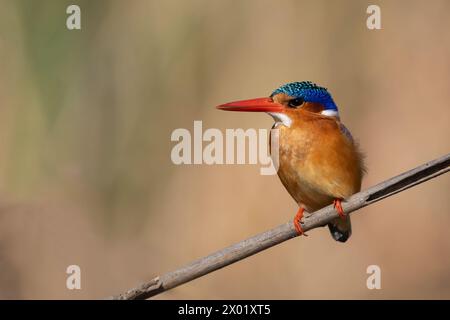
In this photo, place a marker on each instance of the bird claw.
(338, 206)
(297, 222)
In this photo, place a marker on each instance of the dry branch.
(286, 231)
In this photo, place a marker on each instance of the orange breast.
(318, 162)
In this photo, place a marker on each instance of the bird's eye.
(295, 103)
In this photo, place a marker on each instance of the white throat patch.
(330, 113)
(281, 118)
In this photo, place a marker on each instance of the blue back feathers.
(309, 92)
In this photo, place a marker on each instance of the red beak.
(252, 105)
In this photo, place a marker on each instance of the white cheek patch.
(281, 118)
(330, 113)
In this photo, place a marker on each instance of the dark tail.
(340, 229)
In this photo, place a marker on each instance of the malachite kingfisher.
(319, 161)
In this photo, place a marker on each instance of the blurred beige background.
(85, 124)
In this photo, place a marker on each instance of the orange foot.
(338, 206)
(298, 217)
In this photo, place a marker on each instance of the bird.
(320, 163)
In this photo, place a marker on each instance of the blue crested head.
(309, 92)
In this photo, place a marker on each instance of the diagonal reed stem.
(286, 231)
